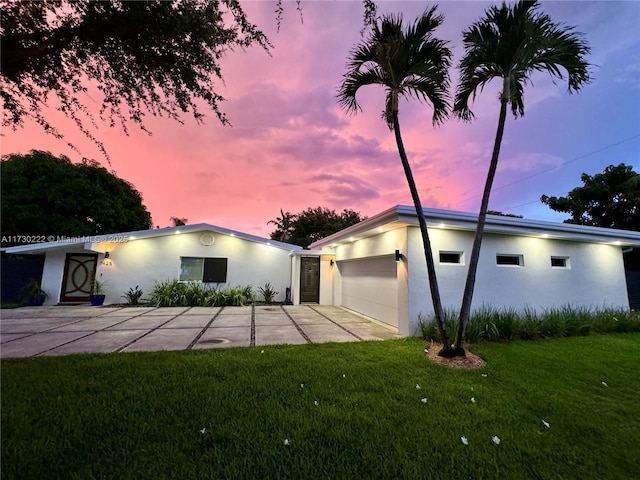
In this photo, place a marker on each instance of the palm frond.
(511, 43)
(405, 61)
(355, 80)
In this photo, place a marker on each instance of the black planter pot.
(37, 300)
(97, 300)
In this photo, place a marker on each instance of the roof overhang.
(93, 242)
(402, 216)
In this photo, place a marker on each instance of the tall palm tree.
(511, 43)
(407, 62)
(284, 226)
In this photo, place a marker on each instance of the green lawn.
(347, 410)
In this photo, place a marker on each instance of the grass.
(492, 324)
(140, 415)
(6, 305)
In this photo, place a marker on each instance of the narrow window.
(451, 257)
(513, 260)
(560, 262)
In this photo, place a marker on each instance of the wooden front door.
(79, 269)
(310, 279)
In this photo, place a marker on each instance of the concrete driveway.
(63, 330)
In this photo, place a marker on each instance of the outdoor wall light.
(106, 254)
(331, 262)
(398, 256)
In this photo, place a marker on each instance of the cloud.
(344, 189)
(529, 161)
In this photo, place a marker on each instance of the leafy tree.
(145, 56)
(608, 199)
(284, 226)
(502, 214)
(312, 224)
(408, 62)
(179, 221)
(45, 195)
(511, 43)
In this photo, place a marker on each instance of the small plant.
(33, 294)
(268, 292)
(97, 295)
(97, 286)
(133, 295)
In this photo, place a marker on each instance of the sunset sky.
(292, 147)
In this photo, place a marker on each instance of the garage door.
(370, 287)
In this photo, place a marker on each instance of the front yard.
(563, 408)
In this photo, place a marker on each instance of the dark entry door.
(310, 279)
(79, 269)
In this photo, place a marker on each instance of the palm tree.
(284, 226)
(407, 62)
(511, 43)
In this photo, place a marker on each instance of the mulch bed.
(469, 362)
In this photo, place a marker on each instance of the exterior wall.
(327, 273)
(594, 277)
(53, 272)
(379, 246)
(144, 261)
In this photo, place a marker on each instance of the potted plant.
(97, 295)
(33, 294)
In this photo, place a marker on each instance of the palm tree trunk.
(428, 253)
(465, 309)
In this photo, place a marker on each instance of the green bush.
(268, 293)
(133, 295)
(492, 324)
(174, 293)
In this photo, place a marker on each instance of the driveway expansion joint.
(204, 329)
(295, 324)
(336, 323)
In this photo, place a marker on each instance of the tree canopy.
(312, 224)
(44, 195)
(149, 56)
(608, 199)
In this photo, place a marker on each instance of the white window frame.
(566, 260)
(451, 252)
(519, 256)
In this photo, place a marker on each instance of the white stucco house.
(202, 252)
(376, 268)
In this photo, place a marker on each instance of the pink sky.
(292, 147)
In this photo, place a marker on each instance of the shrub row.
(173, 293)
(491, 324)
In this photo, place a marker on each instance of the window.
(208, 270)
(451, 257)
(513, 260)
(560, 262)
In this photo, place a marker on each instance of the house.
(201, 252)
(376, 267)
